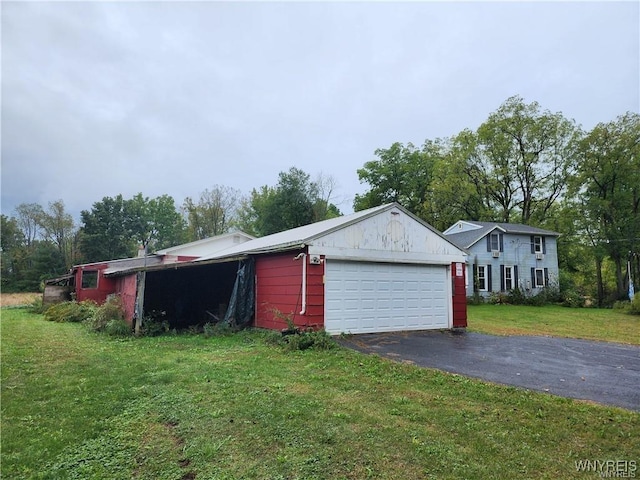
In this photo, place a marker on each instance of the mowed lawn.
(587, 323)
(84, 406)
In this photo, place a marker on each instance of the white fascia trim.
(363, 255)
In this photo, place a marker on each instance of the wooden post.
(141, 280)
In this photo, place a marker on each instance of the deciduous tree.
(104, 234)
(293, 202)
(213, 214)
(58, 227)
(607, 185)
(524, 155)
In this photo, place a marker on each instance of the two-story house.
(505, 256)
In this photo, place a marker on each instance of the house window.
(90, 279)
(537, 245)
(495, 242)
(539, 277)
(509, 278)
(482, 278)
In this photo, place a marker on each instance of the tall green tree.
(116, 228)
(455, 196)
(153, 223)
(57, 226)
(402, 174)
(213, 214)
(104, 234)
(607, 187)
(12, 253)
(45, 262)
(28, 218)
(324, 207)
(520, 159)
(293, 202)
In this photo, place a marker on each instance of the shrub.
(154, 324)
(571, 298)
(476, 299)
(37, 307)
(70, 311)
(117, 327)
(517, 297)
(635, 305)
(219, 329)
(107, 315)
(623, 305)
(498, 298)
(316, 339)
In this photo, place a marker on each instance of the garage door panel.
(376, 297)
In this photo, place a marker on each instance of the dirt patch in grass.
(18, 299)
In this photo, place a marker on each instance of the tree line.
(40, 243)
(523, 164)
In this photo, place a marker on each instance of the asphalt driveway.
(607, 373)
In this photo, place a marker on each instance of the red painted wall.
(458, 272)
(105, 286)
(126, 287)
(279, 292)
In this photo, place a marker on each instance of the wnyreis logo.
(608, 468)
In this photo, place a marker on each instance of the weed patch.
(74, 312)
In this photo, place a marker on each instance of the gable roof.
(301, 236)
(194, 248)
(469, 238)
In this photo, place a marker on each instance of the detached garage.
(377, 270)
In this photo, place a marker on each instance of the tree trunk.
(599, 281)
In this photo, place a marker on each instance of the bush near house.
(632, 307)
(109, 318)
(73, 312)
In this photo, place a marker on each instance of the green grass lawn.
(77, 405)
(587, 323)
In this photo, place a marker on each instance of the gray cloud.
(169, 97)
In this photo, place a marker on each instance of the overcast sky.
(175, 97)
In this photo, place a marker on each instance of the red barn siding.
(105, 287)
(459, 296)
(126, 287)
(279, 292)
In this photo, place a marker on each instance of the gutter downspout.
(304, 282)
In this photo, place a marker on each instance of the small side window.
(539, 277)
(537, 244)
(90, 279)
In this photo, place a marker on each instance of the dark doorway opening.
(191, 296)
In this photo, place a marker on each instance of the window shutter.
(502, 285)
(533, 244)
(544, 246)
(533, 277)
(489, 242)
(546, 277)
(475, 277)
(501, 242)
(489, 281)
(516, 283)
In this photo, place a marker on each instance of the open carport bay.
(606, 373)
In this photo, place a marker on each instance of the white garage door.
(363, 297)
